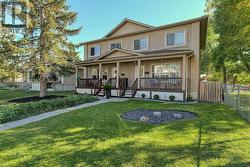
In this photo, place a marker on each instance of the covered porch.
(161, 75)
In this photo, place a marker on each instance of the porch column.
(184, 74)
(76, 79)
(118, 74)
(100, 71)
(139, 73)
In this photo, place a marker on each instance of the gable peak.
(124, 22)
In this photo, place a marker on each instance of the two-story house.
(136, 58)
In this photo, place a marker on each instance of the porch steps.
(101, 92)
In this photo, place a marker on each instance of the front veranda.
(163, 76)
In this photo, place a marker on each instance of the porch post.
(139, 73)
(100, 71)
(184, 74)
(118, 74)
(76, 79)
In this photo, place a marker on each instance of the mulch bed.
(34, 99)
(157, 116)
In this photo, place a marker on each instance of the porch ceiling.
(133, 56)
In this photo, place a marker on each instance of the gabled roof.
(123, 23)
(203, 25)
(118, 50)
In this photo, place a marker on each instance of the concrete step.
(101, 93)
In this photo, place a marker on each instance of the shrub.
(143, 95)
(189, 98)
(156, 97)
(171, 98)
(14, 112)
(107, 87)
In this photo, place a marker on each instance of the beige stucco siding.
(127, 28)
(157, 40)
(195, 61)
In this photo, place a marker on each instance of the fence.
(238, 97)
(211, 92)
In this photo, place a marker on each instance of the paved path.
(36, 118)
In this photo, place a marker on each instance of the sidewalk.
(14, 124)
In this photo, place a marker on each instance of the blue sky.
(98, 17)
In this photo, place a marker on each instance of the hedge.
(14, 112)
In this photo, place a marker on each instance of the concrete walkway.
(36, 118)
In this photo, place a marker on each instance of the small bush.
(143, 95)
(171, 98)
(107, 87)
(14, 112)
(156, 97)
(189, 98)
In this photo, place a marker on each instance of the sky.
(98, 17)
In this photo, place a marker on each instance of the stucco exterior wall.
(127, 28)
(195, 60)
(156, 40)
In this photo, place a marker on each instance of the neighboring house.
(63, 83)
(137, 59)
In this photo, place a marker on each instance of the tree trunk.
(224, 75)
(43, 85)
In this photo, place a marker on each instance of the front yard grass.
(97, 136)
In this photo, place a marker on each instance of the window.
(166, 71)
(175, 38)
(95, 51)
(115, 45)
(141, 44)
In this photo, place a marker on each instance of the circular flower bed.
(157, 116)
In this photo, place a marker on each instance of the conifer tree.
(46, 38)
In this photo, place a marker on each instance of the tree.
(8, 55)
(231, 21)
(46, 38)
(206, 55)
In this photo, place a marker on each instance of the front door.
(142, 72)
(114, 72)
(104, 74)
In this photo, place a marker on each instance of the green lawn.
(6, 94)
(244, 103)
(97, 136)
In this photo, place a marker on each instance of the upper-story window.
(176, 38)
(141, 44)
(116, 45)
(95, 51)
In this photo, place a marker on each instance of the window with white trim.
(141, 44)
(166, 71)
(95, 51)
(176, 38)
(115, 45)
